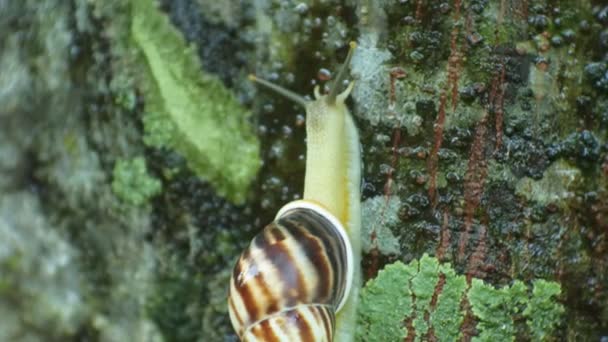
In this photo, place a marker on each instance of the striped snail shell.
(292, 279)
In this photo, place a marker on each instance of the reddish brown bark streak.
(395, 74)
(453, 70)
(430, 336)
(499, 108)
(444, 240)
(476, 266)
(434, 156)
(455, 56)
(501, 13)
(438, 290)
(418, 14)
(411, 332)
(372, 269)
(477, 166)
(474, 183)
(524, 10)
(468, 324)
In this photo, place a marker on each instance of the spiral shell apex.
(293, 277)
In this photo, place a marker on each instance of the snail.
(298, 279)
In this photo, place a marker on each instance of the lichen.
(429, 295)
(41, 287)
(368, 65)
(385, 301)
(191, 111)
(494, 309)
(406, 292)
(543, 313)
(132, 182)
(77, 261)
(557, 184)
(378, 216)
(447, 316)
(423, 287)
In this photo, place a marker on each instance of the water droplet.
(301, 8)
(324, 74)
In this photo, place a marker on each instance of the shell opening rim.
(337, 225)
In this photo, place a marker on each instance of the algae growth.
(191, 111)
(132, 183)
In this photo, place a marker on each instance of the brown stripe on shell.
(335, 246)
(272, 304)
(251, 285)
(249, 301)
(306, 323)
(263, 331)
(238, 268)
(302, 326)
(334, 250)
(322, 321)
(271, 266)
(276, 234)
(239, 322)
(253, 266)
(284, 259)
(316, 254)
(325, 320)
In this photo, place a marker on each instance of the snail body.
(298, 280)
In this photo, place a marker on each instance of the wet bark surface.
(485, 120)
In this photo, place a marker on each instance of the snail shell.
(292, 279)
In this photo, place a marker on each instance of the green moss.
(385, 301)
(497, 28)
(498, 172)
(543, 313)
(557, 184)
(404, 293)
(126, 98)
(191, 111)
(423, 287)
(378, 217)
(216, 309)
(479, 66)
(493, 308)
(447, 316)
(132, 183)
(177, 302)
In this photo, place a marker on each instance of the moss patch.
(427, 295)
(190, 111)
(132, 183)
(557, 184)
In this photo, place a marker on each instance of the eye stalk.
(334, 93)
(280, 90)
